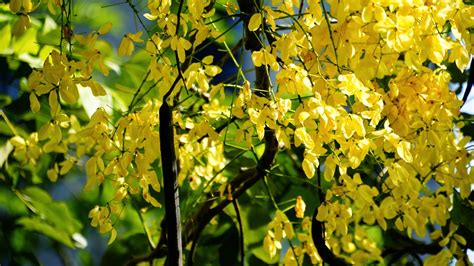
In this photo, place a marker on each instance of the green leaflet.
(52, 218)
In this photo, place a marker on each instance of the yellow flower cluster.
(357, 81)
(334, 61)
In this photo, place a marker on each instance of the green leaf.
(5, 38)
(52, 213)
(468, 129)
(229, 248)
(5, 151)
(125, 248)
(36, 194)
(375, 234)
(11, 203)
(49, 25)
(255, 219)
(462, 212)
(263, 255)
(27, 42)
(5, 100)
(255, 261)
(38, 225)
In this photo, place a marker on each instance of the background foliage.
(289, 116)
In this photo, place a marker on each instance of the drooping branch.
(239, 185)
(318, 231)
(406, 245)
(469, 82)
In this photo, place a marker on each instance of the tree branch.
(317, 233)
(469, 82)
(406, 245)
(241, 231)
(239, 185)
(247, 9)
(246, 178)
(249, 177)
(170, 171)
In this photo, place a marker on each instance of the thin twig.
(330, 35)
(137, 92)
(241, 231)
(137, 15)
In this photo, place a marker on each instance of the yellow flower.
(180, 45)
(300, 207)
(127, 45)
(264, 57)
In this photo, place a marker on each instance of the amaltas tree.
(283, 131)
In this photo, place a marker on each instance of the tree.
(299, 132)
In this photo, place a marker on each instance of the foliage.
(304, 131)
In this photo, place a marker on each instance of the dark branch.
(239, 185)
(245, 179)
(469, 82)
(241, 231)
(247, 9)
(317, 233)
(170, 171)
(406, 245)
